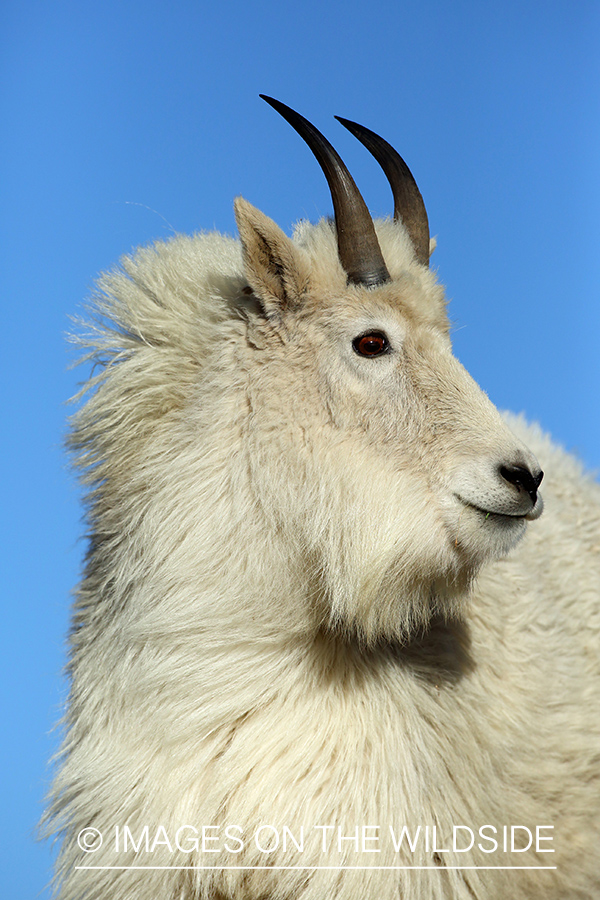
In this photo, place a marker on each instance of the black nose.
(522, 478)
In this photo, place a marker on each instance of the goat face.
(385, 467)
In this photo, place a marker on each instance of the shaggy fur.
(310, 599)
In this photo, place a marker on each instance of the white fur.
(310, 598)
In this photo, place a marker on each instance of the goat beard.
(390, 606)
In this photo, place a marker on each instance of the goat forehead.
(393, 306)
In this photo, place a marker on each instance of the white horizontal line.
(313, 868)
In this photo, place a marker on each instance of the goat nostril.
(522, 478)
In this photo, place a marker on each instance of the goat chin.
(321, 623)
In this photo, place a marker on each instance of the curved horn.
(408, 202)
(358, 247)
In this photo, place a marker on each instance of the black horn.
(408, 202)
(358, 247)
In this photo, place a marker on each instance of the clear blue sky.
(125, 120)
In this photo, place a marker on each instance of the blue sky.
(124, 122)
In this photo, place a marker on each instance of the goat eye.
(372, 344)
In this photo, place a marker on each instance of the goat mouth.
(491, 515)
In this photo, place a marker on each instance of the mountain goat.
(324, 645)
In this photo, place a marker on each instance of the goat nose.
(522, 478)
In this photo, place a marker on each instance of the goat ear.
(276, 269)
